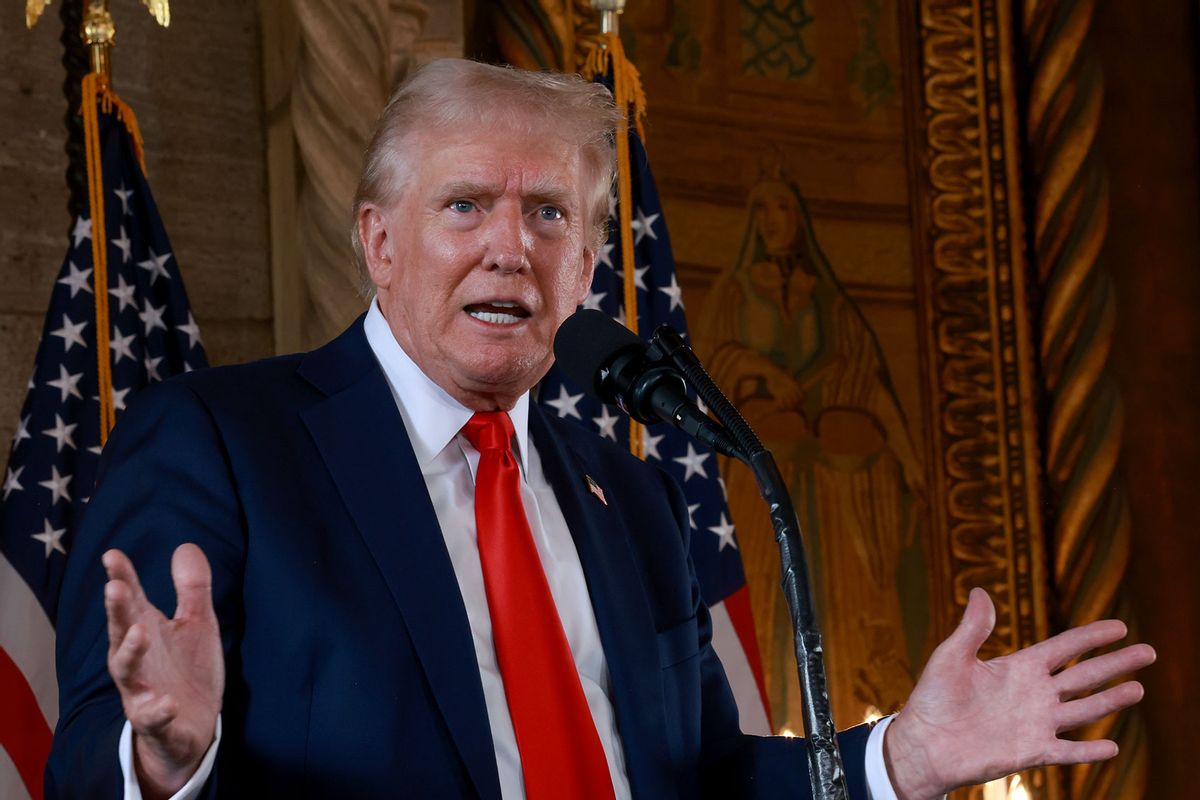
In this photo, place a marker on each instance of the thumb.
(193, 582)
(977, 623)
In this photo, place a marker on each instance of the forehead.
(499, 160)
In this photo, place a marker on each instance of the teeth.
(503, 304)
(494, 318)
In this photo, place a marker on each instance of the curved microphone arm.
(824, 757)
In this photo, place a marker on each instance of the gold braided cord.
(95, 93)
(1092, 530)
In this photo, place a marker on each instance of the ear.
(588, 271)
(376, 244)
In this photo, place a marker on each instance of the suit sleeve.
(164, 480)
(733, 764)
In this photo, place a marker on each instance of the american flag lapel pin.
(595, 489)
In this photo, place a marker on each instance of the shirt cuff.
(189, 791)
(879, 785)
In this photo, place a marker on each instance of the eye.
(549, 213)
(462, 206)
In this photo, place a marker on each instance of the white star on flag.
(650, 443)
(124, 294)
(12, 482)
(607, 423)
(605, 255)
(724, 491)
(70, 333)
(151, 365)
(156, 266)
(57, 486)
(22, 430)
(62, 434)
(52, 538)
(565, 403)
(82, 230)
(693, 463)
(120, 345)
(593, 299)
(643, 226)
(724, 532)
(674, 292)
(192, 330)
(125, 245)
(118, 398)
(67, 383)
(692, 514)
(124, 194)
(152, 317)
(77, 279)
(639, 276)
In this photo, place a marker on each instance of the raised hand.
(170, 672)
(969, 721)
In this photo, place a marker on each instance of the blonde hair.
(454, 93)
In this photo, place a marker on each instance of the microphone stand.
(824, 757)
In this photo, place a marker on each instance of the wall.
(1148, 136)
(196, 89)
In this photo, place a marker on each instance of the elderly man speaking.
(385, 571)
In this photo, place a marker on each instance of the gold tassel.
(629, 97)
(97, 97)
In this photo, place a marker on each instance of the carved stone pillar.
(328, 69)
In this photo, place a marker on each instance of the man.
(401, 582)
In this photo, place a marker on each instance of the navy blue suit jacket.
(350, 668)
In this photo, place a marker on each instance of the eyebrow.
(543, 191)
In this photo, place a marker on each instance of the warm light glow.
(788, 732)
(873, 715)
(1006, 789)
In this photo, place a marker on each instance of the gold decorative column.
(1091, 530)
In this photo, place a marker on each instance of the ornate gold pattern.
(1085, 420)
(979, 354)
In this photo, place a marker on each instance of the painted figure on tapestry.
(796, 355)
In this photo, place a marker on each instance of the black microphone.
(609, 362)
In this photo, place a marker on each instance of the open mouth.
(498, 312)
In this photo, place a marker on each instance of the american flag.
(714, 547)
(52, 462)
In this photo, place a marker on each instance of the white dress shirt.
(448, 462)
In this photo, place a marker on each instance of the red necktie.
(561, 755)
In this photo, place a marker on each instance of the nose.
(507, 238)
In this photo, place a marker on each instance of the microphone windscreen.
(587, 342)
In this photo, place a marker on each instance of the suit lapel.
(619, 600)
(361, 437)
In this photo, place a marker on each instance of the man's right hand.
(170, 672)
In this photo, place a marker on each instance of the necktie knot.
(489, 430)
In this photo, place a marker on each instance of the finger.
(118, 610)
(120, 568)
(1089, 709)
(124, 664)
(1067, 752)
(193, 582)
(1058, 650)
(1089, 674)
(976, 626)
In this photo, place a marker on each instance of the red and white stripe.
(733, 639)
(28, 687)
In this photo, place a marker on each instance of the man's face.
(482, 258)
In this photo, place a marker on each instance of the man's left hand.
(970, 721)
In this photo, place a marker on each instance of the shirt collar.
(433, 418)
